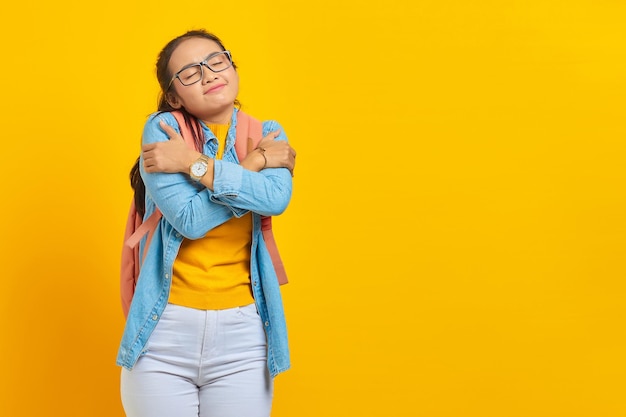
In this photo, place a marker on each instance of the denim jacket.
(190, 210)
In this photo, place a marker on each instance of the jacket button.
(267, 323)
(155, 317)
(167, 276)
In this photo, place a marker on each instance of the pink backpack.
(249, 134)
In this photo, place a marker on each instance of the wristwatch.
(199, 168)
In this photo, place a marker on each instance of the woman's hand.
(271, 153)
(171, 156)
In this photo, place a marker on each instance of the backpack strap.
(129, 272)
(135, 230)
(272, 248)
(249, 134)
(149, 225)
(146, 227)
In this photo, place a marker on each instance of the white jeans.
(201, 363)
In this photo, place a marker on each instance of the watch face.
(199, 168)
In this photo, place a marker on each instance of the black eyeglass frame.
(202, 64)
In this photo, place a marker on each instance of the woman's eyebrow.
(198, 62)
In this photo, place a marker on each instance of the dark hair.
(164, 77)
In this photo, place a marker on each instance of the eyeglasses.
(193, 73)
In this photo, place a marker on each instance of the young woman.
(206, 333)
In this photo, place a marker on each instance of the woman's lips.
(215, 88)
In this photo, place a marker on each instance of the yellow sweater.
(213, 273)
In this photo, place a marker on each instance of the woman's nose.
(208, 76)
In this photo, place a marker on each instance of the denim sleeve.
(267, 192)
(185, 204)
(192, 209)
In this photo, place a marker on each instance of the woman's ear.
(173, 101)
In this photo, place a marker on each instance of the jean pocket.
(248, 312)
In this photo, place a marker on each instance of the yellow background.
(455, 242)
